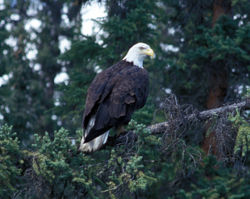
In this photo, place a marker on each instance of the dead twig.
(204, 115)
(164, 127)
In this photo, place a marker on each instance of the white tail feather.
(89, 126)
(94, 144)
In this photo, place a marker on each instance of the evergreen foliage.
(11, 159)
(54, 169)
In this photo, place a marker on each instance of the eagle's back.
(99, 89)
(113, 96)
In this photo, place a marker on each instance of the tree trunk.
(218, 81)
(220, 7)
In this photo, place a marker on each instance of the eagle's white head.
(137, 53)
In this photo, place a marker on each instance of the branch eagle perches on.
(203, 115)
(163, 127)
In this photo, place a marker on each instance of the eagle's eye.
(142, 47)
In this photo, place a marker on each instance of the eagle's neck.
(136, 59)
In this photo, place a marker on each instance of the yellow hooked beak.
(149, 52)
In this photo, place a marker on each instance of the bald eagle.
(113, 96)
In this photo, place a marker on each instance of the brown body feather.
(113, 96)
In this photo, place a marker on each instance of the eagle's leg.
(120, 130)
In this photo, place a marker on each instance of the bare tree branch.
(204, 115)
(159, 128)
